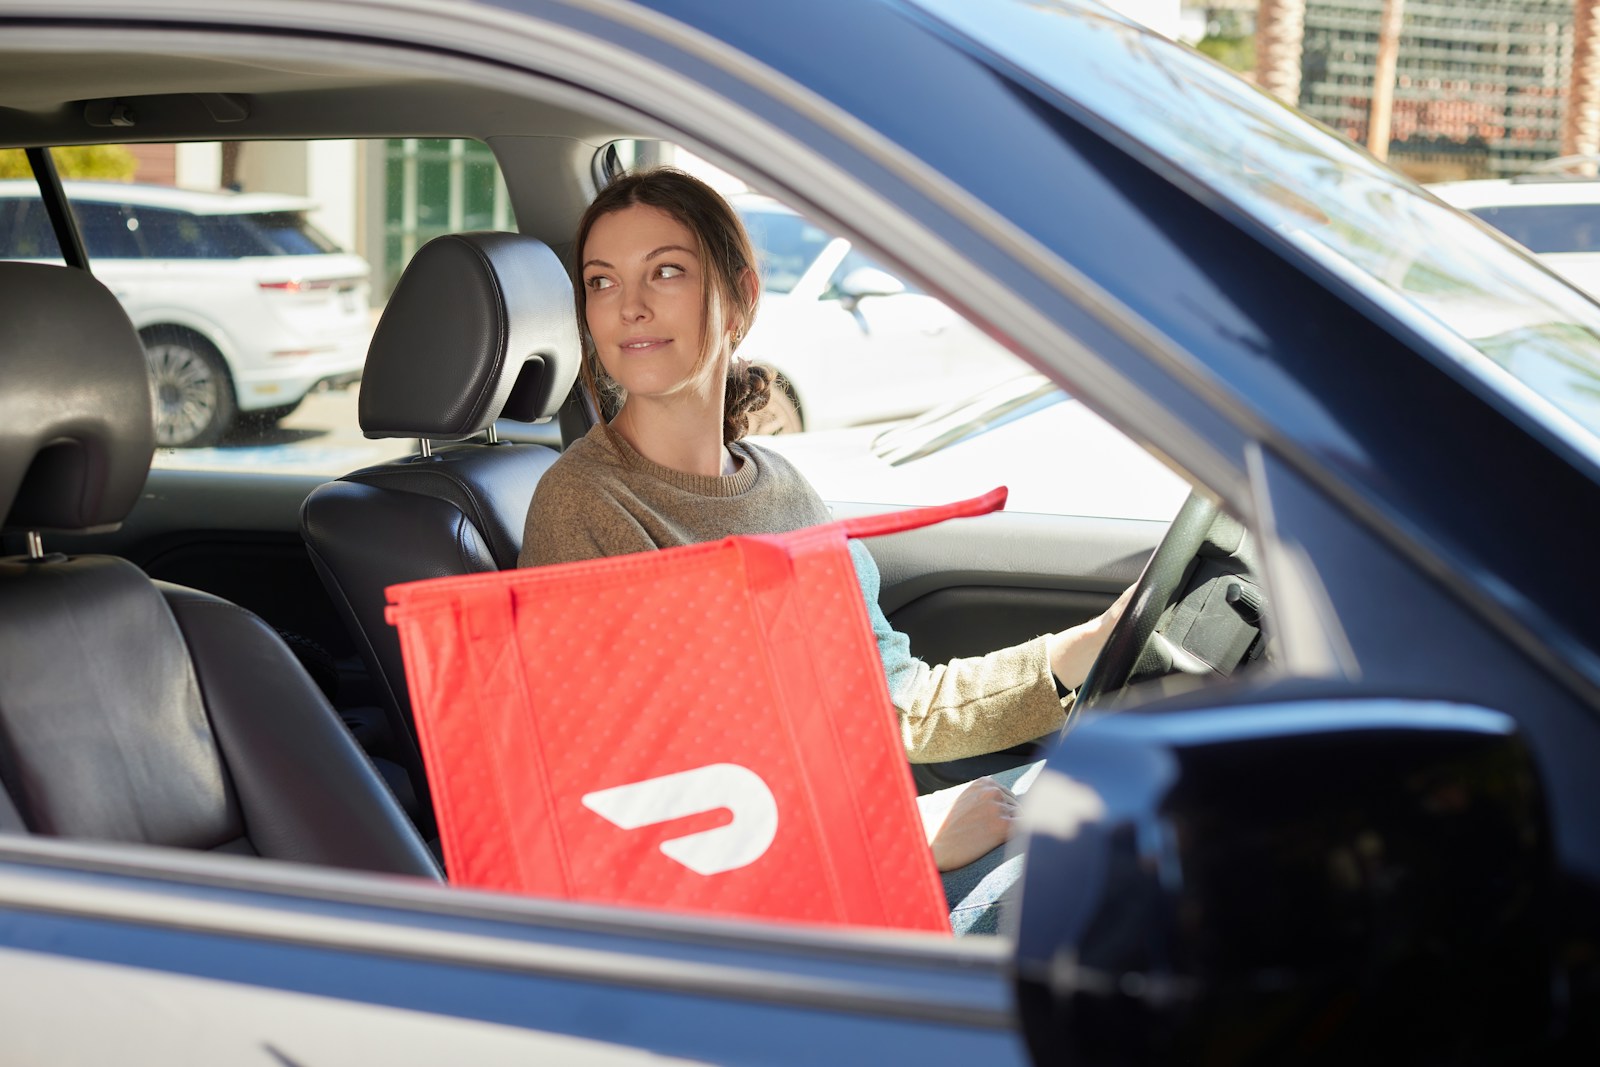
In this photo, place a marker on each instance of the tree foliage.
(1236, 53)
(106, 162)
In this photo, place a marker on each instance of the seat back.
(132, 710)
(480, 327)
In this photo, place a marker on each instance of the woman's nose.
(634, 305)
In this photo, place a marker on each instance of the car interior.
(198, 658)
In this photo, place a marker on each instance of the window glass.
(178, 235)
(255, 278)
(433, 186)
(1548, 227)
(288, 233)
(25, 231)
(786, 244)
(1504, 317)
(108, 230)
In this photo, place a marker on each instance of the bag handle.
(915, 518)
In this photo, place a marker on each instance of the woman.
(668, 288)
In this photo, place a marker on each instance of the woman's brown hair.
(726, 255)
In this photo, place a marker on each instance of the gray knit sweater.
(602, 498)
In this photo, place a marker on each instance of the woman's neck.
(683, 433)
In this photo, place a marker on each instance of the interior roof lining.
(304, 96)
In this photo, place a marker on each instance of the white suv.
(1549, 211)
(243, 306)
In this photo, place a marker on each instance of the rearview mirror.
(868, 281)
(1304, 881)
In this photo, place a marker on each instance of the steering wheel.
(1159, 583)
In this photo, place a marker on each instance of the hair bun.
(749, 386)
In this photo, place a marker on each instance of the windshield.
(1548, 228)
(288, 233)
(785, 243)
(1532, 336)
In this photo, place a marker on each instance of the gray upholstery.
(477, 319)
(76, 434)
(470, 335)
(132, 711)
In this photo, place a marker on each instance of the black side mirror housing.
(1351, 880)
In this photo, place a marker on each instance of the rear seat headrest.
(76, 414)
(480, 326)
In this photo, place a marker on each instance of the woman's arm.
(969, 707)
(1072, 652)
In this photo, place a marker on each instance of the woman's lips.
(644, 344)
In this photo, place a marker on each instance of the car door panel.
(966, 588)
(258, 962)
(969, 587)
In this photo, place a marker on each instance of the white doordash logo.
(673, 796)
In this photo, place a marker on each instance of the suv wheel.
(194, 403)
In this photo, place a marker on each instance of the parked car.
(1329, 793)
(244, 306)
(831, 316)
(1002, 434)
(1551, 211)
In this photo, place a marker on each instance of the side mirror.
(1303, 881)
(868, 281)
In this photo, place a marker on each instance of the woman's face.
(643, 303)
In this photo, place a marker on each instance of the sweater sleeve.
(966, 707)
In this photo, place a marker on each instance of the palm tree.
(1580, 131)
(1382, 110)
(1280, 30)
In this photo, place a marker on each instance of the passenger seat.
(133, 710)
(480, 327)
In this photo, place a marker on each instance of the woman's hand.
(1072, 652)
(979, 821)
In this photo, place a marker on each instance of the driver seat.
(133, 710)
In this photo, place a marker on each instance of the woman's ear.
(750, 287)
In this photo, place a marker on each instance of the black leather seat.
(132, 710)
(480, 327)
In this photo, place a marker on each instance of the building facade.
(1481, 85)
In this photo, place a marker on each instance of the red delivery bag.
(704, 728)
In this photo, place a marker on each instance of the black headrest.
(76, 416)
(480, 326)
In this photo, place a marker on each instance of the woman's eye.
(669, 270)
(599, 281)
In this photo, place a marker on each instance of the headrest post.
(491, 436)
(35, 545)
(426, 447)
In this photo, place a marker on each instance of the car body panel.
(250, 940)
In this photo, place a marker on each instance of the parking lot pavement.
(321, 437)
